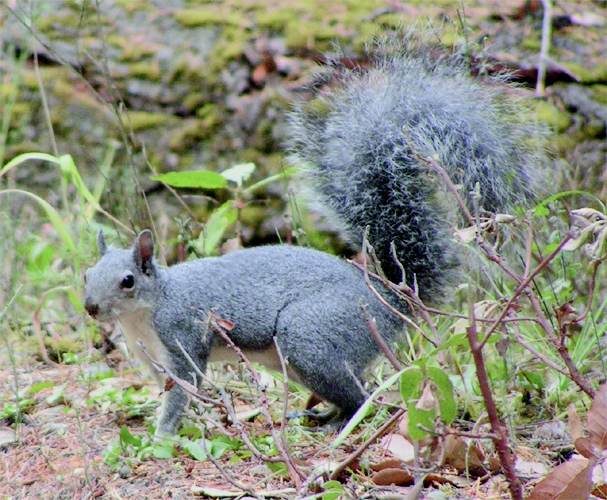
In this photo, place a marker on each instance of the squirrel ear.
(101, 245)
(143, 252)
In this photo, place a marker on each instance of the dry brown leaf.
(568, 481)
(399, 447)
(600, 491)
(462, 457)
(390, 463)
(398, 477)
(576, 430)
(7, 436)
(584, 447)
(597, 420)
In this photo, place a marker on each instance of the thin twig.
(372, 325)
(500, 440)
(295, 473)
(374, 437)
(540, 88)
(522, 286)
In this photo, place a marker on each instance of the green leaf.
(364, 409)
(196, 450)
(57, 394)
(446, 403)
(419, 417)
(219, 448)
(535, 379)
(278, 468)
(333, 490)
(26, 157)
(197, 179)
(216, 226)
(410, 383)
(542, 208)
(239, 173)
(127, 438)
(269, 180)
(163, 450)
(40, 386)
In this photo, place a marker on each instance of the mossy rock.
(303, 35)
(192, 131)
(147, 70)
(143, 120)
(192, 18)
(553, 117)
(595, 74)
(600, 94)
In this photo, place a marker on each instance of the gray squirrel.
(357, 145)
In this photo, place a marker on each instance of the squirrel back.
(357, 145)
(358, 149)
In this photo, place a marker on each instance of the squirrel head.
(122, 280)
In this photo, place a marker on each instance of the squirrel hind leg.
(331, 420)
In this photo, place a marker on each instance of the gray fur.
(308, 300)
(362, 171)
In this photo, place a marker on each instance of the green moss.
(231, 46)
(192, 131)
(48, 22)
(193, 101)
(57, 347)
(549, 114)
(21, 110)
(253, 215)
(149, 71)
(142, 120)
(131, 6)
(595, 74)
(594, 129)
(302, 35)
(390, 20)
(58, 115)
(211, 116)
(191, 18)
(29, 79)
(564, 143)
(63, 89)
(8, 89)
(532, 44)
(136, 51)
(275, 20)
(115, 40)
(600, 94)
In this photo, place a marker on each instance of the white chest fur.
(136, 326)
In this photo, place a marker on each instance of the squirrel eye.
(128, 281)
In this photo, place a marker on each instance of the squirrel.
(359, 145)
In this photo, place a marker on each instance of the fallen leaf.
(597, 420)
(576, 430)
(567, 481)
(399, 447)
(584, 447)
(398, 477)
(462, 457)
(390, 463)
(7, 436)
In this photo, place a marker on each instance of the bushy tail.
(360, 167)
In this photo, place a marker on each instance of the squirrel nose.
(91, 308)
